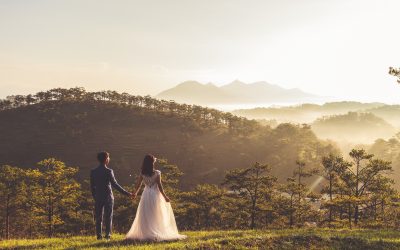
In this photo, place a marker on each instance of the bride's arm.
(137, 187)
(160, 187)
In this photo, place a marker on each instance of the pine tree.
(333, 165)
(11, 183)
(251, 183)
(60, 190)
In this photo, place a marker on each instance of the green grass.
(249, 239)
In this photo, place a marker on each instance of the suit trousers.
(104, 211)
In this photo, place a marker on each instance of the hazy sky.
(339, 48)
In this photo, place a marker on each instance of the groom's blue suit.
(101, 180)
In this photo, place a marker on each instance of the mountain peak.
(236, 83)
(189, 83)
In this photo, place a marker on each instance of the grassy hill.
(202, 142)
(261, 239)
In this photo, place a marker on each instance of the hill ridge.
(73, 125)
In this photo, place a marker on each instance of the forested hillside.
(347, 123)
(307, 112)
(353, 127)
(73, 125)
(266, 178)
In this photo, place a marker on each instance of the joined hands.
(134, 195)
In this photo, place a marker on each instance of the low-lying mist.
(346, 123)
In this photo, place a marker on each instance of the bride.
(154, 217)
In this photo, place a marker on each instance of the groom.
(101, 180)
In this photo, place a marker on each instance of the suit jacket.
(101, 180)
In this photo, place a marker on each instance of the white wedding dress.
(154, 219)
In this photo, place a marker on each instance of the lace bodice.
(151, 181)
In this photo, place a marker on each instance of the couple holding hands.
(154, 220)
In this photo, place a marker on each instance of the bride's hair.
(148, 165)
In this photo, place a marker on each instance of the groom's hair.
(102, 156)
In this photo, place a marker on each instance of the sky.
(337, 48)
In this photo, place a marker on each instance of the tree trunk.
(207, 218)
(341, 213)
(350, 215)
(383, 210)
(291, 212)
(299, 200)
(330, 198)
(356, 214)
(50, 218)
(253, 214)
(357, 193)
(30, 229)
(254, 201)
(8, 217)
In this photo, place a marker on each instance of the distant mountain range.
(236, 92)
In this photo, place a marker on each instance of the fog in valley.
(343, 122)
